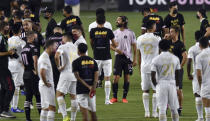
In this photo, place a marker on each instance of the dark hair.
(197, 36)
(164, 45)
(100, 19)
(77, 27)
(147, 9)
(204, 42)
(2, 25)
(100, 11)
(150, 24)
(49, 43)
(68, 9)
(28, 34)
(176, 28)
(16, 28)
(18, 14)
(68, 35)
(125, 20)
(203, 13)
(171, 4)
(82, 48)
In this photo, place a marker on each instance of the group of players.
(65, 66)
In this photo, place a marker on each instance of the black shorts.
(122, 63)
(181, 74)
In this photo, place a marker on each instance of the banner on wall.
(162, 5)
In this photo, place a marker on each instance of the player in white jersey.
(77, 35)
(46, 83)
(15, 65)
(193, 52)
(147, 45)
(166, 67)
(203, 74)
(67, 81)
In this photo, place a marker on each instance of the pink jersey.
(125, 39)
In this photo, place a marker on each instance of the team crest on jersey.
(125, 37)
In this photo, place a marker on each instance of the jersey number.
(168, 69)
(148, 48)
(24, 58)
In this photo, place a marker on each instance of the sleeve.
(89, 28)
(154, 65)
(182, 47)
(133, 38)
(138, 43)
(43, 65)
(198, 63)
(182, 21)
(91, 34)
(167, 22)
(95, 66)
(206, 23)
(75, 66)
(60, 50)
(110, 26)
(190, 53)
(111, 35)
(34, 51)
(79, 22)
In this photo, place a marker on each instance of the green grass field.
(133, 111)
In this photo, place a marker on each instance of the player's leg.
(173, 102)
(74, 103)
(44, 111)
(154, 101)
(52, 104)
(179, 92)
(101, 72)
(36, 93)
(83, 103)
(107, 67)
(145, 85)
(126, 87)
(206, 104)
(92, 108)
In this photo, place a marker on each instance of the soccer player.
(67, 82)
(203, 71)
(86, 72)
(147, 45)
(77, 35)
(192, 53)
(201, 15)
(174, 18)
(16, 66)
(46, 84)
(100, 38)
(6, 82)
(29, 56)
(126, 41)
(149, 16)
(179, 50)
(166, 67)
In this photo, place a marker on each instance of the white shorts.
(146, 82)
(85, 101)
(47, 96)
(205, 91)
(106, 65)
(66, 86)
(167, 94)
(195, 85)
(18, 77)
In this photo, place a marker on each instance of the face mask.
(175, 11)
(119, 25)
(197, 16)
(75, 37)
(46, 17)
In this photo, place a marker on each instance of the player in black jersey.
(29, 56)
(86, 72)
(201, 15)
(148, 16)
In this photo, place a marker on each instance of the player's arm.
(189, 62)
(81, 80)
(93, 88)
(135, 54)
(184, 60)
(43, 76)
(35, 59)
(183, 33)
(139, 60)
(57, 61)
(153, 75)
(177, 77)
(10, 52)
(199, 76)
(207, 34)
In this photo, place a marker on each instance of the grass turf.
(134, 110)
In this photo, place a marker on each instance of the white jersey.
(68, 53)
(15, 42)
(94, 25)
(148, 46)
(80, 40)
(44, 63)
(192, 53)
(165, 66)
(203, 63)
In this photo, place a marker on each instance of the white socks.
(62, 106)
(74, 107)
(199, 107)
(145, 98)
(174, 115)
(207, 111)
(107, 89)
(43, 115)
(50, 116)
(162, 115)
(154, 103)
(15, 98)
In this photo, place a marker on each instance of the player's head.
(27, 12)
(174, 31)
(173, 7)
(201, 13)
(100, 11)
(164, 45)
(204, 42)
(67, 37)
(76, 31)
(151, 25)
(17, 16)
(146, 11)
(48, 12)
(67, 10)
(50, 46)
(82, 49)
(122, 21)
(4, 27)
(16, 29)
(30, 36)
(27, 25)
(58, 29)
(197, 36)
(100, 19)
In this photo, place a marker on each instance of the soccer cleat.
(180, 111)
(147, 115)
(8, 114)
(124, 100)
(155, 115)
(66, 118)
(113, 100)
(108, 102)
(31, 106)
(17, 110)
